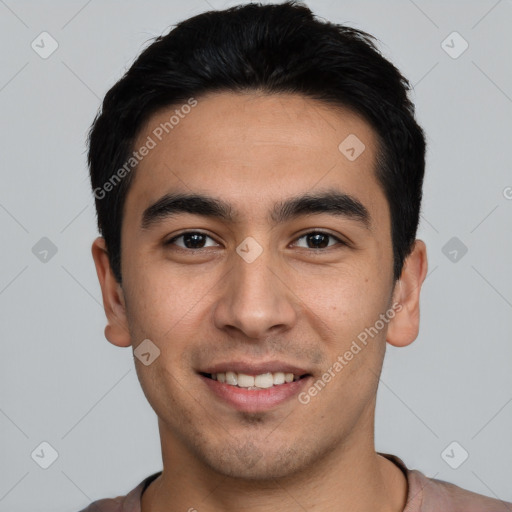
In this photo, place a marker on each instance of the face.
(256, 288)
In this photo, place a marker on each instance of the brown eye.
(319, 240)
(190, 240)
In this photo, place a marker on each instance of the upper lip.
(255, 368)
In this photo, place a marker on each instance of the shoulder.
(441, 495)
(432, 495)
(106, 505)
(128, 503)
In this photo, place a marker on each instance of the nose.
(256, 299)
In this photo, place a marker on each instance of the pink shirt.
(423, 495)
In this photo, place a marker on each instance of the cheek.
(350, 307)
(347, 300)
(165, 305)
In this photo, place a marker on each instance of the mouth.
(254, 382)
(254, 388)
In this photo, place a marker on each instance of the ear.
(404, 327)
(116, 331)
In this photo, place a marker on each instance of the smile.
(254, 390)
(254, 382)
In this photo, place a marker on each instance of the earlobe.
(404, 327)
(116, 331)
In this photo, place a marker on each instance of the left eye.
(196, 240)
(319, 239)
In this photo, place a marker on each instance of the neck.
(351, 477)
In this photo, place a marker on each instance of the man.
(258, 180)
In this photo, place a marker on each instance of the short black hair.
(272, 48)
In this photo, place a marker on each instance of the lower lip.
(255, 400)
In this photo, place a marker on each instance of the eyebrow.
(332, 202)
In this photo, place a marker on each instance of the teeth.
(279, 378)
(245, 381)
(231, 378)
(263, 381)
(266, 380)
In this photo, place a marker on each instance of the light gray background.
(63, 383)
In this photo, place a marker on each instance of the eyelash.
(316, 232)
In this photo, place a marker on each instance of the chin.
(247, 461)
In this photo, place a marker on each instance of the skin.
(209, 306)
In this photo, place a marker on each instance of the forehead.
(253, 150)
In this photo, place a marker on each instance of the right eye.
(190, 240)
